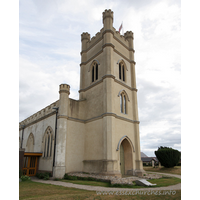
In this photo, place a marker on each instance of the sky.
(49, 54)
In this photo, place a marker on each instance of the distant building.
(143, 155)
(148, 160)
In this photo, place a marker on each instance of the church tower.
(108, 87)
(99, 133)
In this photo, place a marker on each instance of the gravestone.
(144, 182)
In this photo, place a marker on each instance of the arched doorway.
(122, 160)
(126, 158)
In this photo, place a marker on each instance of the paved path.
(98, 188)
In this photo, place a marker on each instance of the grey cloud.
(48, 31)
(157, 102)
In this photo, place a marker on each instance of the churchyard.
(36, 190)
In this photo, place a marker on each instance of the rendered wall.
(75, 146)
(38, 129)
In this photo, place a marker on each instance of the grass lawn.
(37, 191)
(165, 181)
(160, 183)
(82, 182)
(173, 170)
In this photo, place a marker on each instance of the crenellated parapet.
(40, 114)
(107, 37)
(120, 37)
(64, 88)
(128, 34)
(95, 39)
(85, 38)
(108, 18)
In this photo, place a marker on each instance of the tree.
(167, 156)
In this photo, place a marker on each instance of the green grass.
(92, 183)
(173, 170)
(160, 183)
(165, 181)
(34, 190)
(37, 191)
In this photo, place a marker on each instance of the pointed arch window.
(124, 110)
(122, 71)
(121, 104)
(94, 71)
(48, 138)
(123, 101)
(30, 143)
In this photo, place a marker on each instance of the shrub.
(91, 179)
(44, 176)
(121, 185)
(37, 175)
(168, 157)
(66, 176)
(25, 178)
(82, 178)
(41, 175)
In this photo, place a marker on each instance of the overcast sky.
(49, 54)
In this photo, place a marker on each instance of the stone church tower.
(99, 133)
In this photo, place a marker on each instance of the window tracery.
(123, 101)
(48, 138)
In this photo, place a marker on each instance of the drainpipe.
(23, 127)
(56, 108)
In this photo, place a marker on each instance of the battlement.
(128, 34)
(85, 36)
(88, 42)
(108, 19)
(95, 38)
(108, 13)
(40, 114)
(64, 88)
(120, 37)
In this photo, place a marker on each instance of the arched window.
(94, 71)
(124, 104)
(122, 71)
(48, 138)
(121, 104)
(123, 101)
(30, 143)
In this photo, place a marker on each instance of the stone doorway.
(126, 158)
(122, 160)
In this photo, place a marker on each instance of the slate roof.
(148, 159)
(143, 155)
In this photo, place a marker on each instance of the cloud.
(50, 44)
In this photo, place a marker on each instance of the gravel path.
(98, 188)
